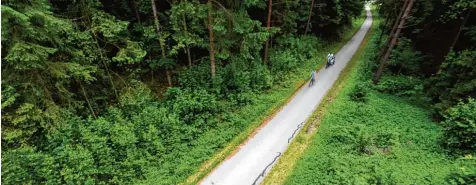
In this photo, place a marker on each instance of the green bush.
(364, 143)
(242, 99)
(113, 149)
(359, 93)
(197, 108)
(455, 80)
(405, 59)
(293, 52)
(135, 97)
(462, 178)
(27, 166)
(464, 175)
(400, 85)
(284, 61)
(460, 126)
(303, 47)
(197, 77)
(261, 78)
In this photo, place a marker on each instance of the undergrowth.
(218, 144)
(383, 140)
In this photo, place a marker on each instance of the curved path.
(255, 158)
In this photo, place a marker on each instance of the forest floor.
(384, 140)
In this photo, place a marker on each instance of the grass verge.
(298, 146)
(270, 104)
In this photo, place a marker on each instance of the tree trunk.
(134, 6)
(187, 49)
(382, 51)
(162, 47)
(85, 12)
(189, 57)
(393, 42)
(105, 66)
(309, 18)
(169, 77)
(401, 68)
(384, 27)
(459, 31)
(210, 31)
(230, 23)
(87, 100)
(270, 7)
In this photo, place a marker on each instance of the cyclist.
(313, 74)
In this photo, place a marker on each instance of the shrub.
(400, 85)
(386, 139)
(242, 99)
(194, 107)
(283, 61)
(359, 93)
(364, 143)
(135, 97)
(462, 178)
(26, 165)
(404, 59)
(261, 78)
(197, 77)
(455, 80)
(303, 47)
(460, 126)
(236, 77)
(465, 175)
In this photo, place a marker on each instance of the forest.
(146, 91)
(429, 57)
(405, 112)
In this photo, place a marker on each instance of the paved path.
(258, 154)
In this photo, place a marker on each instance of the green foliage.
(400, 85)
(135, 98)
(458, 8)
(196, 78)
(456, 79)
(405, 59)
(186, 19)
(130, 55)
(284, 60)
(465, 174)
(386, 140)
(359, 93)
(446, 63)
(460, 126)
(28, 166)
(80, 80)
(44, 58)
(462, 178)
(196, 108)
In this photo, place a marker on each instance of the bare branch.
(223, 8)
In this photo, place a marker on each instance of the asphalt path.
(256, 157)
